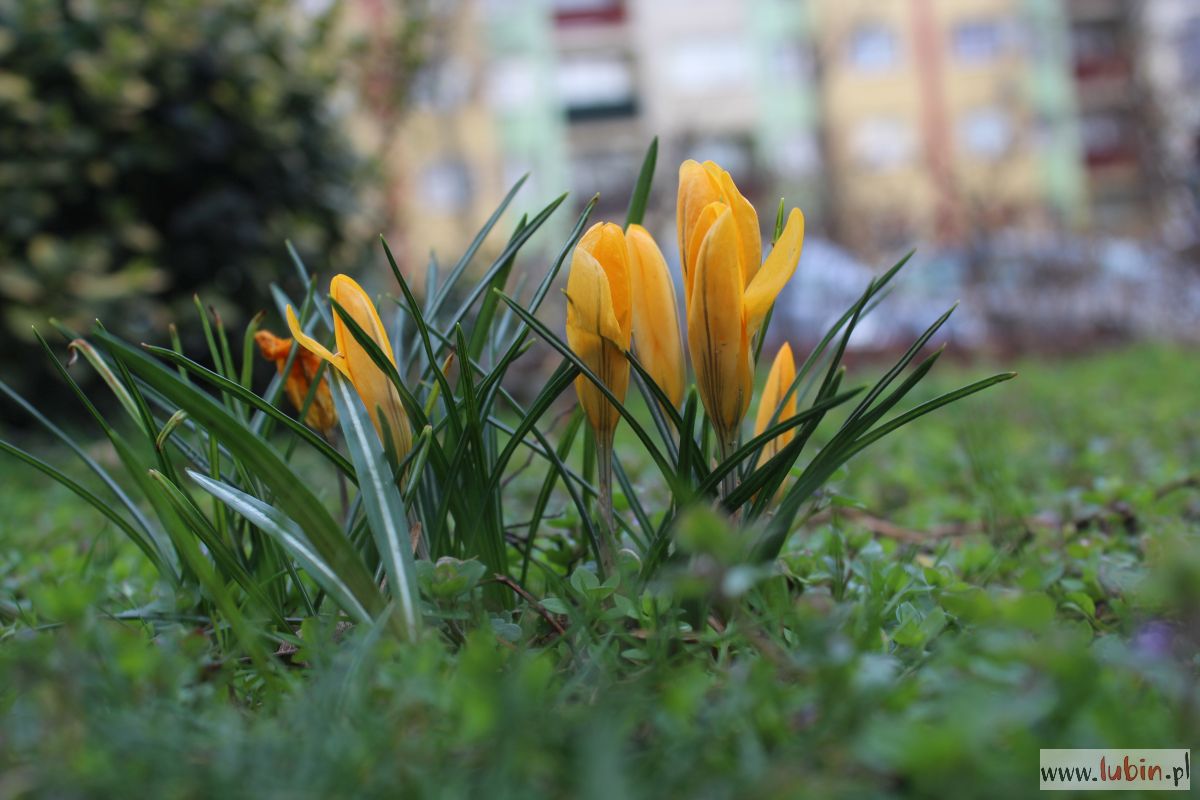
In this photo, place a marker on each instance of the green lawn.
(1015, 572)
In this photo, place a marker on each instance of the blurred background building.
(1040, 137)
(888, 121)
(1042, 155)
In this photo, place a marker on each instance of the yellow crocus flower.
(600, 321)
(352, 360)
(726, 291)
(655, 314)
(599, 327)
(701, 185)
(779, 380)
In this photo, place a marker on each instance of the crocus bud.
(373, 385)
(655, 314)
(779, 380)
(600, 321)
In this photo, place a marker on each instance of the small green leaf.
(641, 189)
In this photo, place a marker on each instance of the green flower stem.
(604, 466)
(727, 445)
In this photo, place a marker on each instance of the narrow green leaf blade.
(641, 190)
(283, 529)
(380, 499)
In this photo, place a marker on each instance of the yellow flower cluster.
(619, 294)
(620, 289)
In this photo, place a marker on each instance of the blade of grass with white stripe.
(283, 529)
(381, 501)
(439, 465)
(210, 580)
(754, 445)
(510, 250)
(258, 458)
(481, 330)
(456, 272)
(513, 350)
(771, 542)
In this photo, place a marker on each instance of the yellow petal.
(589, 299)
(357, 303)
(605, 242)
(655, 314)
(775, 272)
(312, 345)
(697, 189)
(779, 380)
(373, 385)
(746, 219)
(717, 337)
(704, 221)
(595, 336)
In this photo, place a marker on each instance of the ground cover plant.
(449, 592)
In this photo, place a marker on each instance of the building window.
(986, 133)
(704, 67)
(443, 86)
(1097, 41)
(1099, 51)
(873, 48)
(976, 42)
(315, 8)
(792, 60)
(1106, 139)
(569, 12)
(596, 86)
(512, 84)
(446, 186)
(883, 143)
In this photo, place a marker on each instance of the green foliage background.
(151, 149)
(868, 667)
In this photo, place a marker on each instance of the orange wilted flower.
(321, 414)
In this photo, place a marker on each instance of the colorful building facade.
(889, 121)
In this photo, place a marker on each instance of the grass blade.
(380, 499)
(641, 189)
(291, 492)
(144, 543)
(278, 525)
